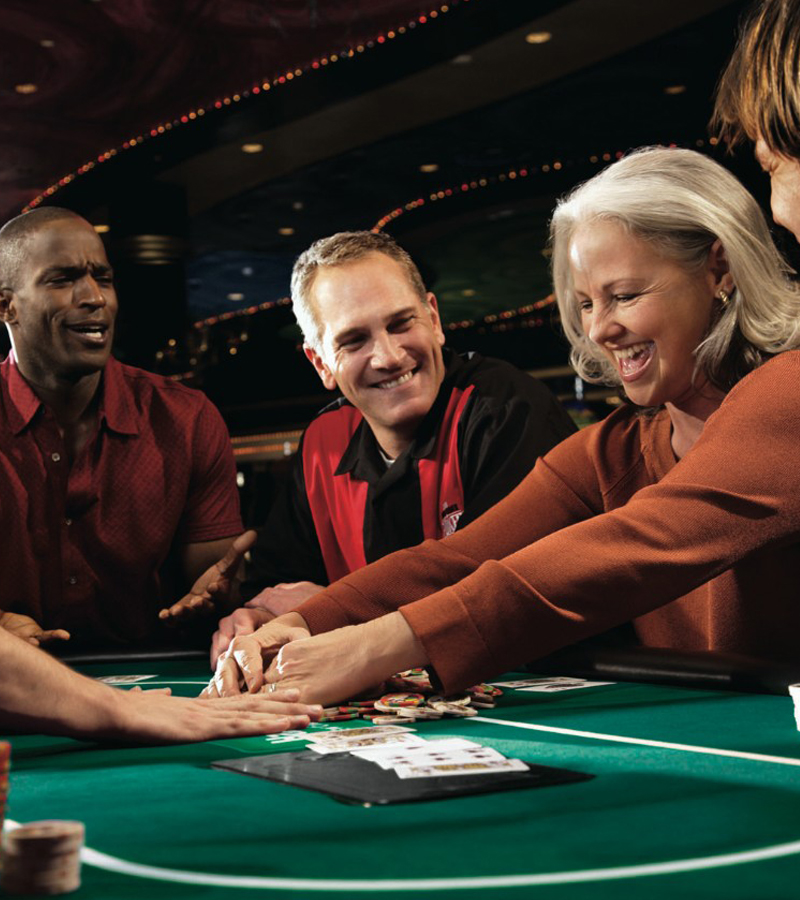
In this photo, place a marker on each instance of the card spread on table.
(332, 737)
(436, 750)
(124, 679)
(362, 741)
(550, 685)
(465, 767)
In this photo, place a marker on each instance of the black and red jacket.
(345, 508)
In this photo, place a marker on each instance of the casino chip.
(414, 699)
(43, 857)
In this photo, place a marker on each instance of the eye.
(625, 298)
(402, 324)
(585, 305)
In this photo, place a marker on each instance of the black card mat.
(355, 780)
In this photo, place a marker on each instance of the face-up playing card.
(471, 767)
(360, 742)
(550, 685)
(388, 757)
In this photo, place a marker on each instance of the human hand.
(31, 631)
(212, 589)
(340, 664)
(155, 717)
(284, 597)
(240, 621)
(241, 667)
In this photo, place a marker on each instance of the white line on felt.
(621, 739)
(124, 867)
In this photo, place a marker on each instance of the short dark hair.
(758, 94)
(17, 232)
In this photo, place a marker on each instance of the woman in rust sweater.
(680, 511)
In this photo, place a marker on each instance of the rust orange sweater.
(703, 553)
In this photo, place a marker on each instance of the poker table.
(696, 793)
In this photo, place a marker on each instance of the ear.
(8, 312)
(433, 311)
(325, 374)
(719, 269)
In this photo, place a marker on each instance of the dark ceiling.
(142, 108)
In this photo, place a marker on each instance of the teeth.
(630, 352)
(387, 385)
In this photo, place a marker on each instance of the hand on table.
(341, 664)
(239, 622)
(241, 667)
(156, 717)
(31, 631)
(330, 667)
(212, 590)
(284, 597)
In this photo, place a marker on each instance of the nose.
(387, 352)
(89, 292)
(603, 324)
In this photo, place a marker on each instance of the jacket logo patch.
(451, 513)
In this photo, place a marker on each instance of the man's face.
(784, 176)
(381, 345)
(62, 307)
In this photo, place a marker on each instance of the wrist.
(391, 646)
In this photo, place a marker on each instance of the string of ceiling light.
(268, 84)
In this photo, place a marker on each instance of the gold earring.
(723, 296)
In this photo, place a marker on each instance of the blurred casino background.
(210, 141)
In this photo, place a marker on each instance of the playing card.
(472, 767)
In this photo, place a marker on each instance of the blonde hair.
(337, 250)
(758, 94)
(682, 202)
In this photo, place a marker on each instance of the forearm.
(40, 694)
(390, 646)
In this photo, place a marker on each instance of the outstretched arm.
(40, 694)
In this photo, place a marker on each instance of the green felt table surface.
(656, 821)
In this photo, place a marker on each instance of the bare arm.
(39, 694)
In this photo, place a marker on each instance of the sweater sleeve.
(409, 575)
(736, 492)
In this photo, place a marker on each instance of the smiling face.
(647, 313)
(61, 307)
(784, 176)
(380, 345)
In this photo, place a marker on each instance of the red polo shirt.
(92, 548)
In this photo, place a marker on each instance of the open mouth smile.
(633, 360)
(396, 382)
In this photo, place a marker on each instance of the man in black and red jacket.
(421, 442)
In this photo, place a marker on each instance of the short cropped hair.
(15, 234)
(759, 92)
(337, 250)
(681, 202)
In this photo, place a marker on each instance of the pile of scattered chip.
(43, 858)
(414, 698)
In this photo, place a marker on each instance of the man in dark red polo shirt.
(117, 486)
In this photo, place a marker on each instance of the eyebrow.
(73, 271)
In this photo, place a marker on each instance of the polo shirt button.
(68, 521)
(72, 579)
(56, 457)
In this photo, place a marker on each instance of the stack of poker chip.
(414, 699)
(43, 858)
